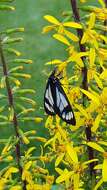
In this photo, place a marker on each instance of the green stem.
(11, 104)
(84, 81)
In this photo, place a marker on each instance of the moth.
(56, 100)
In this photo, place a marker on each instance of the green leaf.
(7, 8)
(26, 119)
(19, 106)
(8, 146)
(3, 141)
(2, 108)
(24, 91)
(11, 40)
(28, 100)
(4, 123)
(2, 82)
(12, 51)
(11, 113)
(23, 75)
(3, 117)
(14, 30)
(26, 61)
(24, 138)
(14, 80)
(87, 8)
(26, 111)
(9, 1)
(99, 183)
(103, 4)
(15, 69)
(2, 96)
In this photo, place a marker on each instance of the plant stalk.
(11, 104)
(84, 81)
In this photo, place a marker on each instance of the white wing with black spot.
(48, 101)
(63, 107)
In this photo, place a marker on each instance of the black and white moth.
(56, 101)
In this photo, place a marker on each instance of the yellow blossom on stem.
(101, 13)
(26, 174)
(90, 35)
(3, 182)
(9, 171)
(60, 27)
(16, 187)
(38, 119)
(38, 187)
(103, 96)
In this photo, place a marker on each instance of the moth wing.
(63, 107)
(49, 100)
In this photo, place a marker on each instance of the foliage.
(20, 168)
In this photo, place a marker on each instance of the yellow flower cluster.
(63, 147)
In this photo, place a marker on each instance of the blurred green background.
(36, 46)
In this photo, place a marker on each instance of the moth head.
(57, 73)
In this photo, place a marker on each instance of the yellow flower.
(49, 123)
(102, 54)
(54, 21)
(64, 175)
(60, 28)
(96, 123)
(38, 187)
(49, 179)
(74, 93)
(83, 1)
(76, 57)
(10, 158)
(90, 35)
(38, 119)
(3, 182)
(28, 152)
(41, 170)
(103, 96)
(41, 139)
(102, 3)
(79, 121)
(26, 175)
(59, 159)
(101, 13)
(16, 187)
(9, 171)
(70, 150)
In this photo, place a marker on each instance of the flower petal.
(61, 38)
(51, 19)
